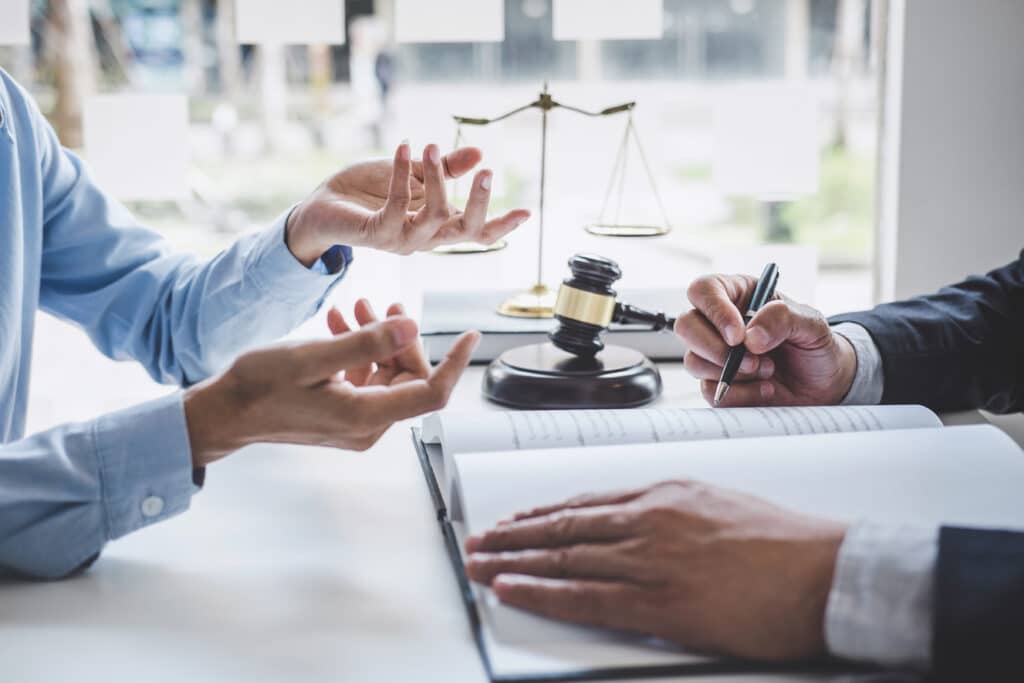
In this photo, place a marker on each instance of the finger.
(497, 228)
(784, 321)
(584, 561)
(413, 358)
(390, 404)
(719, 298)
(475, 215)
(317, 361)
(704, 369)
(705, 341)
(582, 501)
(436, 208)
(760, 393)
(456, 163)
(561, 528)
(365, 314)
(492, 231)
(338, 325)
(397, 204)
(605, 604)
(336, 322)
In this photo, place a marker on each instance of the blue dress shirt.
(70, 250)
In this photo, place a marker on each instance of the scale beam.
(538, 302)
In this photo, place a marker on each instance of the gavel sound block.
(575, 369)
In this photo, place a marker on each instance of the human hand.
(293, 392)
(408, 364)
(794, 357)
(399, 206)
(714, 570)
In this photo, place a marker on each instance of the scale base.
(622, 230)
(460, 248)
(543, 377)
(537, 302)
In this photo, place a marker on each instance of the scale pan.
(622, 230)
(460, 248)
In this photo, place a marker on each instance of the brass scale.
(539, 300)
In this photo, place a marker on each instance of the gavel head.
(585, 305)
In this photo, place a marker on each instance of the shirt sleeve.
(880, 608)
(869, 381)
(66, 492)
(182, 318)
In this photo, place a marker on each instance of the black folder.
(715, 667)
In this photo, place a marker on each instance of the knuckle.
(585, 602)
(560, 561)
(700, 288)
(559, 527)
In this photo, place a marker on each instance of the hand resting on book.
(711, 569)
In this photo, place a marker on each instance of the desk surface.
(297, 564)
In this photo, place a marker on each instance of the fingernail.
(757, 337)
(519, 221)
(403, 331)
(732, 335)
(433, 154)
(404, 154)
(485, 181)
(767, 368)
(749, 363)
(767, 390)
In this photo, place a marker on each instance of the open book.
(891, 464)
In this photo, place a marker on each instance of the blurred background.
(757, 118)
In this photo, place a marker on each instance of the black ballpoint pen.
(763, 293)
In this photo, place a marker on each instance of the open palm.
(401, 207)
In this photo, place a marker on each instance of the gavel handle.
(627, 315)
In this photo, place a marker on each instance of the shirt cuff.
(880, 607)
(868, 382)
(280, 276)
(145, 464)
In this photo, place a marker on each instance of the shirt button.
(152, 506)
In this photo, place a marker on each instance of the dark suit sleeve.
(960, 348)
(979, 606)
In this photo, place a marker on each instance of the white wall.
(952, 177)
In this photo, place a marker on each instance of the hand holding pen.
(792, 356)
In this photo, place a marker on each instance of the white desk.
(294, 564)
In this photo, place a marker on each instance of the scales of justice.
(574, 368)
(539, 300)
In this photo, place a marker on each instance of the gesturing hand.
(408, 364)
(794, 356)
(713, 570)
(400, 207)
(293, 392)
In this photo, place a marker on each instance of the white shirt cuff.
(869, 381)
(880, 606)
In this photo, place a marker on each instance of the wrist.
(847, 366)
(301, 239)
(211, 414)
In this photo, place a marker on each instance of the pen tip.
(720, 392)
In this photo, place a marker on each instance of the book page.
(958, 475)
(527, 430)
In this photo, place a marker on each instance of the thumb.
(319, 360)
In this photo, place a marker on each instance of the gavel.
(586, 306)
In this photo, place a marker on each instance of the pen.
(763, 293)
